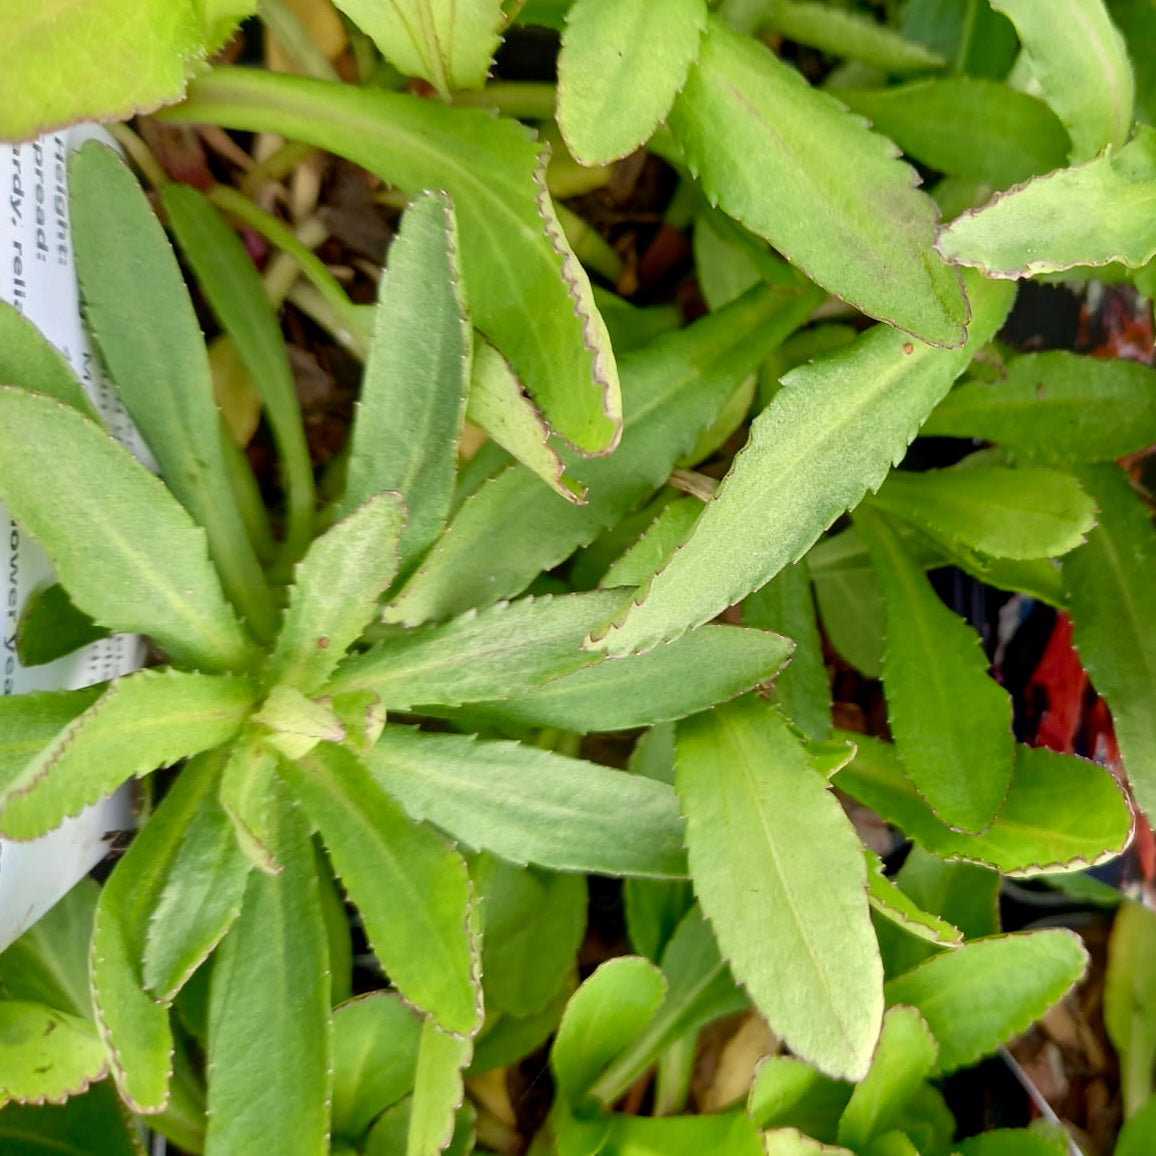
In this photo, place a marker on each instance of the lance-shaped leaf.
(791, 164)
(375, 1043)
(411, 887)
(505, 649)
(134, 1026)
(803, 690)
(1114, 619)
(829, 435)
(237, 294)
(792, 1142)
(438, 1090)
(448, 42)
(1093, 214)
(68, 1130)
(513, 527)
(1061, 812)
(202, 897)
(780, 874)
(721, 1133)
(544, 320)
(335, 590)
(658, 541)
(97, 501)
(51, 627)
(1130, 1000)
(141, 722)
(622, 63)
(903, 1058)
(699, 989)
(602, 1018)
(962, 126)
(29, 360)
(1139, 1132)
(951, 720)
(246, 793)
(1080, 61)
(497, 404)
(29, 722)
(533, 922)
(269, 1011)
(994, 510)
(1056, 408)
(699, 670)
(1041, 1140)
(788, 1093)
(978, 996)
(140, 314)
(532, 806)
(841, 32)
(48, 1055)
(108, 66)
(895, 905)
(413, 393)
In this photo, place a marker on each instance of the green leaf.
(894, 904)
(411, 887)
(621, 65)
(812, 454)
(658, 541)
(97, 502)
(1055, 408)
(977, 40)
(781, 877)
(335, 591)
(803, 689)
(601, 1020)
(641, 690)
(29, 722)
(413, 394)
(104, 61)
(503, 650)
(48, 1055)
(1061, 812)
(246, 795)
(1136, 1137)
(201, 899)
(978, 996)
(979, 130)
(1080, 61)
(699, 989)
(512, 528)
(1114, 619)
(723, 1134)
(994, 510)
(68, 1130)
(1134, 19)
(1094, 214)
(851, 609)
(952, 722)
(1016, 1142)
(497, 404)
(544, 320)
(136, 1028)
(894, 1143)
(533, 926)
(51, 627)
(28, 359)
(1130, 1001)
(141, 722)
(904, 1055)
(437, 1091)
(531, 806)
(777, 154)
(294, 724)
(269, 1012)
(505, 1039)
(839, 32)
(238, 297)
(788, 1093)
(48, 964)
(654, 907)
(375, 1047)
(139, 311)
(450, 43)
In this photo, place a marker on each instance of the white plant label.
(38, 278)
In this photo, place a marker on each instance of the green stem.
(517, 99)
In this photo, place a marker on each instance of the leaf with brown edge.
(983, 993)
(544, 320)
(792, 165)
(47, 1055)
